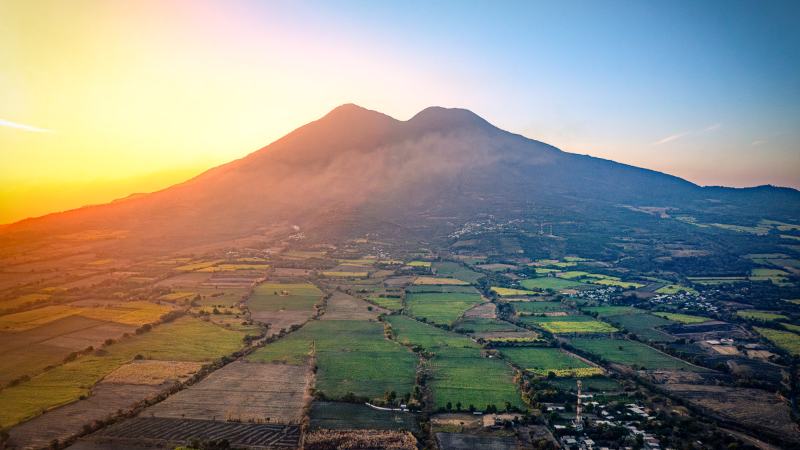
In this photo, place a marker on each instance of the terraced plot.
(544, 360)
(442, 308)
(460, 373)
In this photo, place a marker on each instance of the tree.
(449, 406)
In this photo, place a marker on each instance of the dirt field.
(725, 349)
(750, 407)
(500, 335)
(178, 431)
(280, 319)
(64, 422)
(191, 279)
(241, 391)
(484, 310)
(459, 441)
(289, 272)
(360, 439)
(346, 307)
(152, 372)
(398, 281)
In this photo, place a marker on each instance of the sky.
(103, 98)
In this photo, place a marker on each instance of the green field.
(607, 311)
(682, 318)
(671, 289)
(460, 372)
(591, 384)
(550, 283)
(186, 339)
(610, 281)
(442, 308)
(392, 303)
(456, 270)
(351, 356)
(284, 296)
(784, 339)
(753, 314)
(543, 360)
(630, 353)
(643, 325)
(483, 325)
(538, 307)
(568, 324)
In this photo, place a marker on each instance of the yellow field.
(152, 372)
(197, 266)
(508, 292)
(130, 313)
(334, 274)
(419, 264)
(427, 281)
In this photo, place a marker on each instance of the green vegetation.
(630, 353)
(543, 360)
(186, 339)
(444, 308)
(352, 356)
(764, 316)
(483, 325)
(682, 318)
(391, 303)
(610, 281)
(460, 373)
(538, 307)
(335, 416)
(456, 270)
(550, 283)
(568, 324)
(786, 340)
(643, 325)
(419, 264)
(607, 311)
(671, 289)
(280, 296)
(591, 384)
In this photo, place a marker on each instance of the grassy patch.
(392, 303)
(538, 307)
(672, 289)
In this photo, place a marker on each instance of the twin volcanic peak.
(360, 164)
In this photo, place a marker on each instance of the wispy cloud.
(676, 136)
(22, 126)
(670, 138)
(758, 142)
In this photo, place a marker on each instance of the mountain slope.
(356, 163)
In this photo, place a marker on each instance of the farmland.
(568, 324)
(550, 283)
(543, 360)
(456, 270)
(461, 375)
(185, 339)
(784, 339)
(682, 318)
(334, 416)
(442, 308)
(439, 281)
(763, 316)
(352, 356)
(509, 292)
(629, 353)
